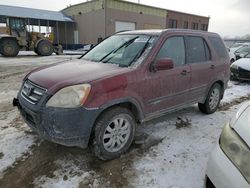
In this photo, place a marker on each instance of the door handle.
(212, 66)
(184, 72)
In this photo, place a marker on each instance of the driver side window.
(173, 48)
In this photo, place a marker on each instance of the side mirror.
(162, 64)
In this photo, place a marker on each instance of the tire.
(232, 60)
(35, 50)
(212, 101)
(233, 78)
(9, 48)
(118, 126)
(44, 48)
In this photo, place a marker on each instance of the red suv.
(128, 78)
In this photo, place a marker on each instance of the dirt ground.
(40, 160)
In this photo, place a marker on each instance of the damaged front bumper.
(69, 127)
(240, 73)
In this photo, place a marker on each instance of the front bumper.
(222, 172)
(240, 74)
(69, 127)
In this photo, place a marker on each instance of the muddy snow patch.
(14, 143)
(68, 175)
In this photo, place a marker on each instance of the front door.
(169, 87)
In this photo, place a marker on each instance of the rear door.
(203, 69)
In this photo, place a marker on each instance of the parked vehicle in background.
(235, 47)
(238, 45)
(231, 55)
(128, 78)
(240, 69)
(242, 52)
(15, 37)
(228, 165)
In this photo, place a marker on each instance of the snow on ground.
(179, 160)
(236, 90)
(69, 176)
(14, 143)
(14, 138)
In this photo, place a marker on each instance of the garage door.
(121, 26)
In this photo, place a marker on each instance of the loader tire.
(9, 48)
(44, 48)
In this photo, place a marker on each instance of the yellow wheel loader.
(15, 37)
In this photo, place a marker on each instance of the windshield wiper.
(115, 50)
(141, 52)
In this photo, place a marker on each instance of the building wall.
(143, 16)
(181, 17)
(91, 23)
(89, 19)
(90, 26)
(141, 20)
(65, 31)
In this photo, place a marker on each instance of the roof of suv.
(160, 31)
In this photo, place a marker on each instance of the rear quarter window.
(218, 46)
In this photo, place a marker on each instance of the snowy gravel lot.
(162, 155)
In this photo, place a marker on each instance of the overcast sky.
(228, 17)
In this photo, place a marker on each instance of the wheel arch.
(129, 103)
(221, 83)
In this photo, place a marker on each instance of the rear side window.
(198, 50)
(173, 48)
(218, 46)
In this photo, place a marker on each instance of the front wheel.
(212, 101)
(113, 134)
(44, 48)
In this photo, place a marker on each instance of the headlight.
(234, 66)
(70, 97)
(236, 150)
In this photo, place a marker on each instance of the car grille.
(244, 73)
(32, 92)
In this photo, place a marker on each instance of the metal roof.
(22, 12)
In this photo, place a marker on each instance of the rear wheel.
(212, 101)
(113, 134)
(9, 48)
(44, 48)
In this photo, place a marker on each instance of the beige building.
(98, 19)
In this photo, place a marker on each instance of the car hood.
(243, 63)
(242, 124)
(72, 72)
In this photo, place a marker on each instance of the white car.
(231, 56)
(235, 47)
(229, 164)
(240, 69)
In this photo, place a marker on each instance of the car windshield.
(248, 55)
(236, 45)
(243, 49)
(120, 49)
